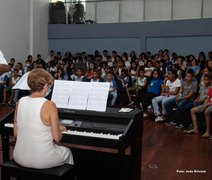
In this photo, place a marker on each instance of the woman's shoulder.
(49, 103)
(49, 106)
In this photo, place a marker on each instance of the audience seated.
(205, 106)
(135, 81)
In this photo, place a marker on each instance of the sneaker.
(145, 115)
(11, 103)
(173, 123)
(164, 117)
(168, 123)
(131, 103)
(179, 126)
(158, 118)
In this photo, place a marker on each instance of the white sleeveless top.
(34, 147)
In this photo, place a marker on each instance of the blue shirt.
(194, 68)
(155, 86)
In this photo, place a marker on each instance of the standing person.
(3, 63)
(36, 127)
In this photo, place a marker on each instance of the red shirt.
(210, 94)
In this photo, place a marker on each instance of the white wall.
(15, 28)
(40, 17)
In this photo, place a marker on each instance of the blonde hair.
(38, 78)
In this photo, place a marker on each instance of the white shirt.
(173, 85)
(2, 58)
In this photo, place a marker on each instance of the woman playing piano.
(36, 127)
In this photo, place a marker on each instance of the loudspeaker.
(78, 15)
(57, 14)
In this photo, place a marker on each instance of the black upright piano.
(110, 130)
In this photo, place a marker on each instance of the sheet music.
(61, 93)
(79, 95)
(97, 99)
(22, 83)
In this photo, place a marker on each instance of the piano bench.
(12, 169)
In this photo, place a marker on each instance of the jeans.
(163, 100)
(114, 97)
(16, 95)
(182, 104)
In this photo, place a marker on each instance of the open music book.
(80, 95)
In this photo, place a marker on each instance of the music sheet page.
(97, 99)
(79, 95)
(61, 93)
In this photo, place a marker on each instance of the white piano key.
(92, 134)
(82, 133)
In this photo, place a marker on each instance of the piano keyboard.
(93, 134)
(82, 133)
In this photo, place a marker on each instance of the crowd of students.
(166, 83)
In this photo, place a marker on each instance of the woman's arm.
(176, 91)
(49, 116)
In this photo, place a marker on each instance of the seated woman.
(154, 89)
(36, 127)
(196, 68)
(89, 73)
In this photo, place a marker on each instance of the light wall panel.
(107, 12)
(207, 8)
(131, 11)
(187, 9)
(157, 10)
